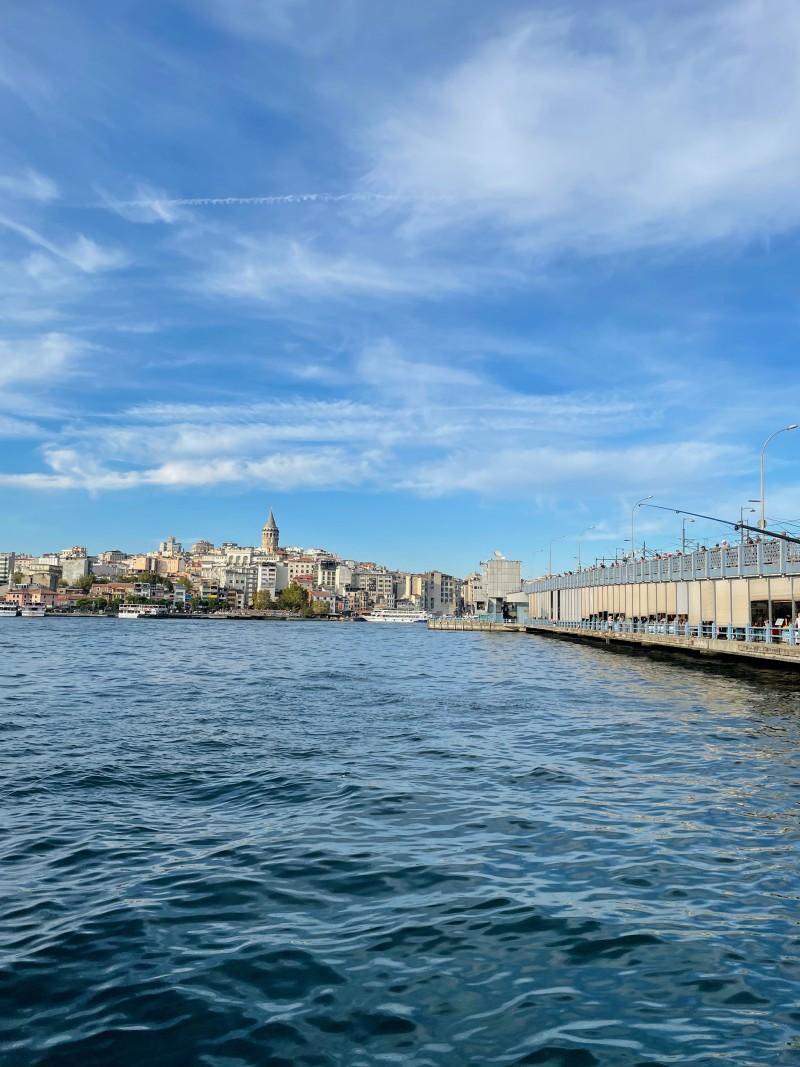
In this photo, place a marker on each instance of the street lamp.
(792, 426)
(638, 504)
(683, 535)
(742, 511)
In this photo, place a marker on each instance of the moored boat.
(32, 611)
(137, 611)
(8, 611)
(396, 615)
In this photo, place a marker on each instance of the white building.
(170, 547)
(243, 581)
(75, 552)
(237, 555)
(344, 577)
(272, 578)
(7, 564)
(301, 568)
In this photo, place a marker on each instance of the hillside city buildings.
(239, 577)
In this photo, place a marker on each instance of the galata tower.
(269, 535)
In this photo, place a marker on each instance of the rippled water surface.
(229, 843)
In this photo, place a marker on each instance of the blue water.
(229, 843)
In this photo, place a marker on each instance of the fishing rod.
(727, 522)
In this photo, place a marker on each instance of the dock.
(481, 625)
(774, 654)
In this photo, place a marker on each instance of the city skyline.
(299, 258)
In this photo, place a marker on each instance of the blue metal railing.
(786, 635)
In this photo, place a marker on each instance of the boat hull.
(396, 618)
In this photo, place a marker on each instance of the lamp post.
(683, 535)
(638, 504)
(742, 511)
(762, 523)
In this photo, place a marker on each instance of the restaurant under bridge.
(755, 584)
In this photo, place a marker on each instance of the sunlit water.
(230, 843)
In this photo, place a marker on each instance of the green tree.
(295, 598)
(262, 601)
(85, 583)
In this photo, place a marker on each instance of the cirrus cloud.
(594, 132)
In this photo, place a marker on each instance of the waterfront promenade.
(765, 646)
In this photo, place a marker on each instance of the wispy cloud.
(83, 253)
(516, 469)
(19, 429)
(28, 185)
(323, 468)
(39, 359)
(272, 270)
(414, 430)
(596, 132)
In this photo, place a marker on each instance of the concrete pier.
(752, 652)
(476, 624)
(776, 655)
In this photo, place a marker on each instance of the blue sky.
(428, 279)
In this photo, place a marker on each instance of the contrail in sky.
(246, 201)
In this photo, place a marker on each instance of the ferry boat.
(8, 611)
(32, 611)
(137, 611)
(396, 615)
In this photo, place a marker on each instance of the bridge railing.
(787, 635)
(750, 560)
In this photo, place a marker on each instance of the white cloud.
(599, 133)
(18, 428)
(40, 359)
(28, 185)
(83, 253)
(325, 468)
(512, 469)
(384, 366)
(90, 257)
(147, 205)
(274, 270)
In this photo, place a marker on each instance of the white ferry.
(8, 611)
(137, 611)
(32, 611)
(396, 615)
